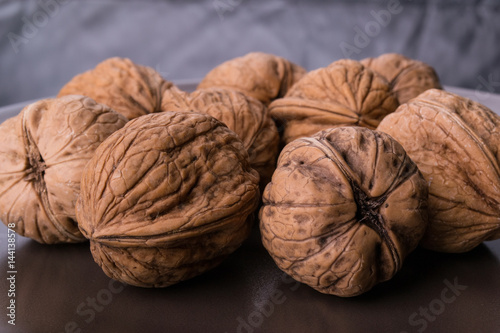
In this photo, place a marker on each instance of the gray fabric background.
(44, 43)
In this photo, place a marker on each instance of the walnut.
(343, 210)
(42, 155)
(344, 93)
(456, 144)
(167, 197)
(259, 75)
(408, 78)
(130, 89)
(244, 115)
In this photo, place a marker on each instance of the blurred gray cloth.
(44, 43)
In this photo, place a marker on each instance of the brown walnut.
(344, 93)
(42, 155)
(130, 89)
(167, 197)
(259, 75)
(244, 115)
(408, 78)
(456, 144)
(343, 210)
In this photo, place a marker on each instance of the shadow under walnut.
(166, 198)
(343, 210)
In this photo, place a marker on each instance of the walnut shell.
(343, 210)
(130, 89)
(408, 78)
(344, 93)
(244, 115)
(259, 75)
(166, 198)
(42, 155)
(456, 144)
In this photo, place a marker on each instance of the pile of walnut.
(375, 160)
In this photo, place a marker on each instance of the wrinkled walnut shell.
(259, 75)
(166, 198)
(343, 94)
(408, 78)
(343, 210)
(244, 115)
(130, 89)
(456, 144)
(42, 155)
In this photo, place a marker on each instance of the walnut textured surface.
(456, 144)
(408, 78)
(130, 89)
(42, 155)
(343, 210)
(259, 75)
(344, 93)
(244, 115)
(166, 198)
